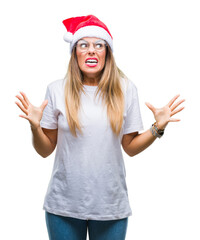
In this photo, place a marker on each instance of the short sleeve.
(133, 120)
(49, 119)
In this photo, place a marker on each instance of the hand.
(33, 114)
(163, 115)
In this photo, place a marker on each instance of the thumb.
(150, 106)
(44, 104)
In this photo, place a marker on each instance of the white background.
(156, 44)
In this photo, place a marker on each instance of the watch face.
(160, 132)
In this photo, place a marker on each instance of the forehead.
(91, 39)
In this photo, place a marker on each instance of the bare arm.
(43, 144)
(139, 143)
(135, 143)
(44, 140)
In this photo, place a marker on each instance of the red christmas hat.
(86, 26)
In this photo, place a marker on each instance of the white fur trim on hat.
(91, 31)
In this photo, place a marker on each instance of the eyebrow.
(101, 40)
(82, 40)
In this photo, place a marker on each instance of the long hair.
(109, 86)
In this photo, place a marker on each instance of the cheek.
(103, 59)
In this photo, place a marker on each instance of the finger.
(23, 110)
(150, 106)
(174, 120)
(25, 97)
(22, 100)
(176, 111)
(24, 117)
(177, 104)
(43, 105)
(173, 100)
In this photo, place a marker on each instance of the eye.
(83, 45)
(99, 45)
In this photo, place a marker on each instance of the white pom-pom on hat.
(68, 37)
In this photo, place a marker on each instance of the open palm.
(163, 115)
(33, 114)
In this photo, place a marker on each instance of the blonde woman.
(88, 115)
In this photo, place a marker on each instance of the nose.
(91, 48)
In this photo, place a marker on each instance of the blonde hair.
(109, 86)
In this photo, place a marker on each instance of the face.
(91, 56)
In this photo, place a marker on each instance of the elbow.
(131, 154)
(43, 155)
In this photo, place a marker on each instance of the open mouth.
(91, 62)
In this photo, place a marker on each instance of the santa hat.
(86, 26)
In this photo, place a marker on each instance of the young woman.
(88, 115)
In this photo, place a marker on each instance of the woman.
(88, 115)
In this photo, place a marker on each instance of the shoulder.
(129, 86)
(59, 83)
(55, 88)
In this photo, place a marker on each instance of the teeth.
(91, 61)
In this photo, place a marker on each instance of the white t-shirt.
(88, 177)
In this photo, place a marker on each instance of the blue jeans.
(68, 228)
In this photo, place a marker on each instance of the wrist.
(35, 127)
(156, 131)
(160, 126)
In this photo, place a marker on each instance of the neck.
(92, 81)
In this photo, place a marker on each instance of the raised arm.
(140, 142)
(43, 141)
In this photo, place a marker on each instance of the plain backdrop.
(156, 44)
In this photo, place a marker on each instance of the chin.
(92, 73)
